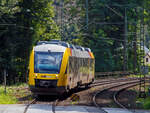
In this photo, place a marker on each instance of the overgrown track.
(121, 85)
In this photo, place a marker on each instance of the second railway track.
(118, 88)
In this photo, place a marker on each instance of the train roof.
(60, 46)
(64, 44)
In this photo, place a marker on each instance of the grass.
(14, 92)
(7, 99)
(145, 102)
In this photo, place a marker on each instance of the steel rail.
(32, 102)
(119, 91)
(107, 88)
(54, 105)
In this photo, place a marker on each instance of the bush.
(147, 103)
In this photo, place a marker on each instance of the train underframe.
(49, 87)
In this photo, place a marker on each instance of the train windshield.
(47, 62)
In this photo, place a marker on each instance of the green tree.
(22, 24)
(106, 23)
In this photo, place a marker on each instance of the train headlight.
(35, 75)
(56, 76)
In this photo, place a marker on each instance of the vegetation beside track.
(145, 102)
(25, 22)
(13, 93)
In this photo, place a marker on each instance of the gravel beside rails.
(83, 97)
(128, 97)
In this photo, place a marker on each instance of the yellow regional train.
(56, 67)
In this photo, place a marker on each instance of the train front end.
(47, 69)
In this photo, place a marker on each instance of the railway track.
(85, 94)
(54, 105)
(108, 84)
(120, 87)
(34, 101)
(27, 107)
(104, 82)
(115, 96)
(82, 92)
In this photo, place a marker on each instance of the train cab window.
(47, 62)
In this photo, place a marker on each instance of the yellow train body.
(55, 68)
